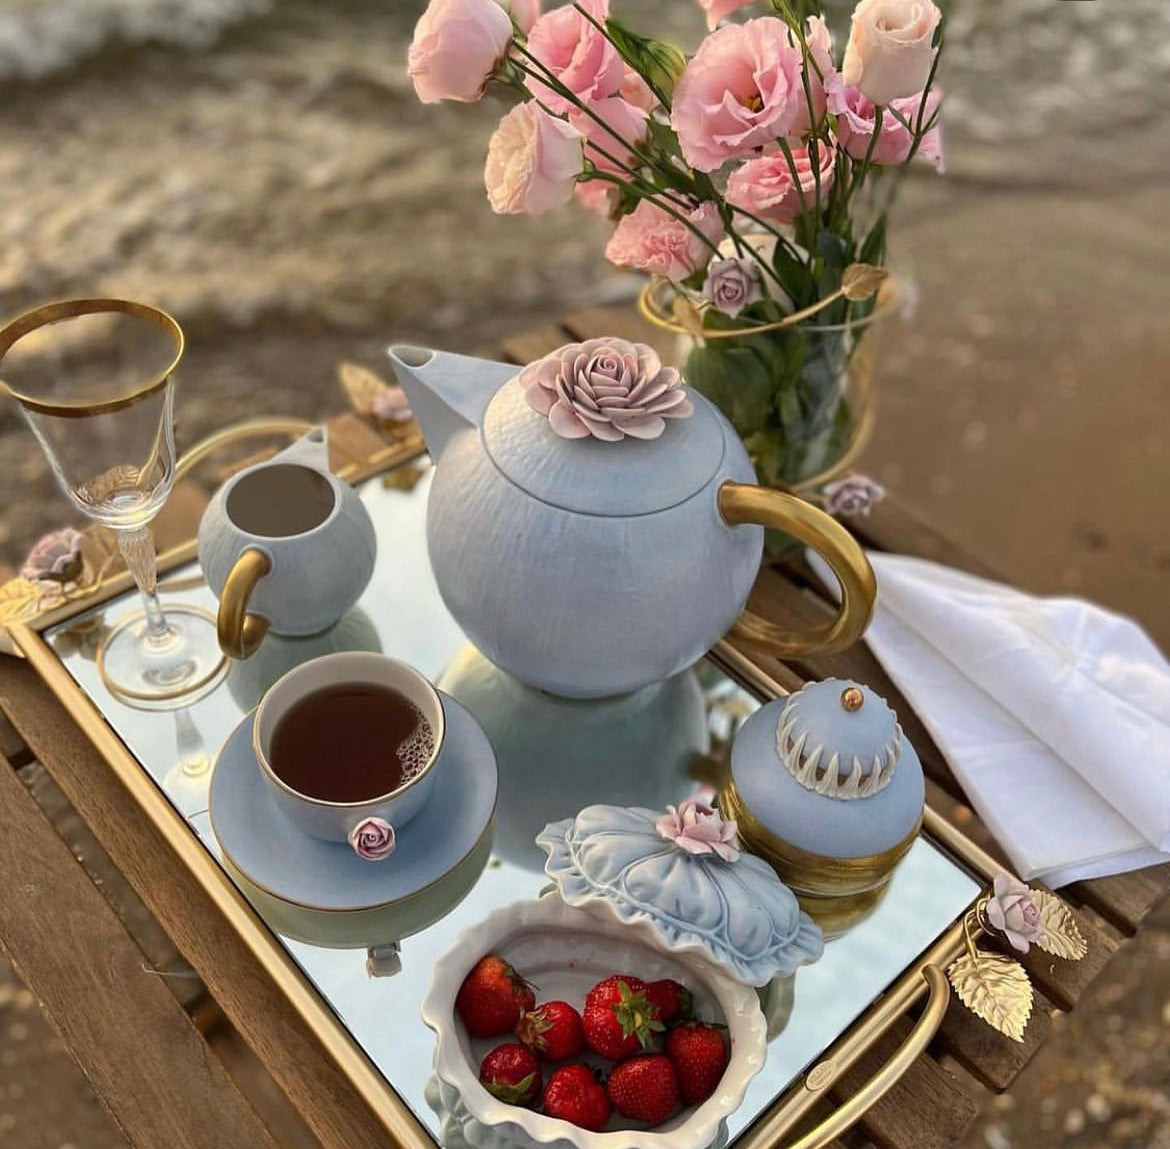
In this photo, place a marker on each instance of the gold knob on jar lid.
(852, 698)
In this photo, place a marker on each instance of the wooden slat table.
(157, 1059)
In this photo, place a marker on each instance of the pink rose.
(766, 186)
(624, 122)
(456, 47)
(651, 240)
(855, 119)
(732, 284)
(597, 196)
(524, 13)
(636, 91)
(741, 91)
(55, 557)
(533, 161)
(607, 388)
(1012, 910)
(391, 405)
(890, 50)
(853, 495)
(719, 10)
(698, 828)
(372, 839)
(577, 54)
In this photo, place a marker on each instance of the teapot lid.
(592, 477)
(642, 865)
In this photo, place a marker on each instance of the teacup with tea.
(347, 744)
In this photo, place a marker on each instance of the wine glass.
(95, 382)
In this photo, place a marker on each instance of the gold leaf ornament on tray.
(994, 988)
(993, 985)
(1061, 936)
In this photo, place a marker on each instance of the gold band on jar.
(803, 871)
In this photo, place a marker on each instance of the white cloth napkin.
(1053, 713)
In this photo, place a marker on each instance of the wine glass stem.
(137, 549)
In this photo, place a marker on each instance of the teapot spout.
(448, 393)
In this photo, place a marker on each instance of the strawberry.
(672, 1000)
(511, 1073)
(644, 1088)
(574, 1094)
(617, 1019)
(492, 997)
(700, 1056)
(553, 1030)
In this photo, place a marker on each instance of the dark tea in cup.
(350, 742)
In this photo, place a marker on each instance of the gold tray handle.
(747, 503)
(240, 633)
(822, 1075)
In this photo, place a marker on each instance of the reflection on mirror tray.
(401, 614)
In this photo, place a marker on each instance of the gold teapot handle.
(240, 633)
(748, 503)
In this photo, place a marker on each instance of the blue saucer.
(282, 860)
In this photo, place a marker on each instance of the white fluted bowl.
(566, 951)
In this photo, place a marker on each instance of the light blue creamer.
(590, 568)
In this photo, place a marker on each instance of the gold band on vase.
(818, 875)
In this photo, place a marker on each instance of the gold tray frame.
(923, 977)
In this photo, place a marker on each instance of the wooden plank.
(313, 1080)
(1124, 899)
(926, 1109)
(145, 1059)
(534, 343)
(891, 526)
(623, 323)
(991, 1058)
(12, 746)
(1064, 981)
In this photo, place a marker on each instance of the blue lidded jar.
(825, 786)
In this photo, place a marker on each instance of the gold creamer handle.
(241, 633)
(747, 503)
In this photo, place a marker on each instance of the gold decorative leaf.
(861, 280)
(361, 385)
(20, 600)
(994, 988)
(403, 478)
(1061, 937)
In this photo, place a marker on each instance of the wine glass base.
(143, 671)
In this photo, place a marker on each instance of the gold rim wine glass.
(95, 382)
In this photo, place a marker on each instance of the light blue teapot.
(590, 568)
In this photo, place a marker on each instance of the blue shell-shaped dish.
(739, 914)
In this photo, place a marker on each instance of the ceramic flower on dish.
(372, 839)
(566, 951)
(55, 557)
(735, 913)
(607, 388)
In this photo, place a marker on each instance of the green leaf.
(660, 64)
(735, 379)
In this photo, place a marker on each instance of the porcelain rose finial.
(1013, 911)
(605, 388)
(372, 839)
(698, 828)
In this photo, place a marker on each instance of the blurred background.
(261, 169)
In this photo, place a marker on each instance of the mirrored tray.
(373, 970)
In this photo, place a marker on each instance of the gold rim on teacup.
(369, 658)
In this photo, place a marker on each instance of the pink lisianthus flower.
(766, 187)
(597, 196)
(652, 240)
(855, 124)
(456, 47)
(698, 828)
(577, 54)
(533, 162)
(740, 91)
(718, 10)
(636, 91)
(524, 13)
(820, 50)
(891, 48)
(625, 125)
(1012, 910)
